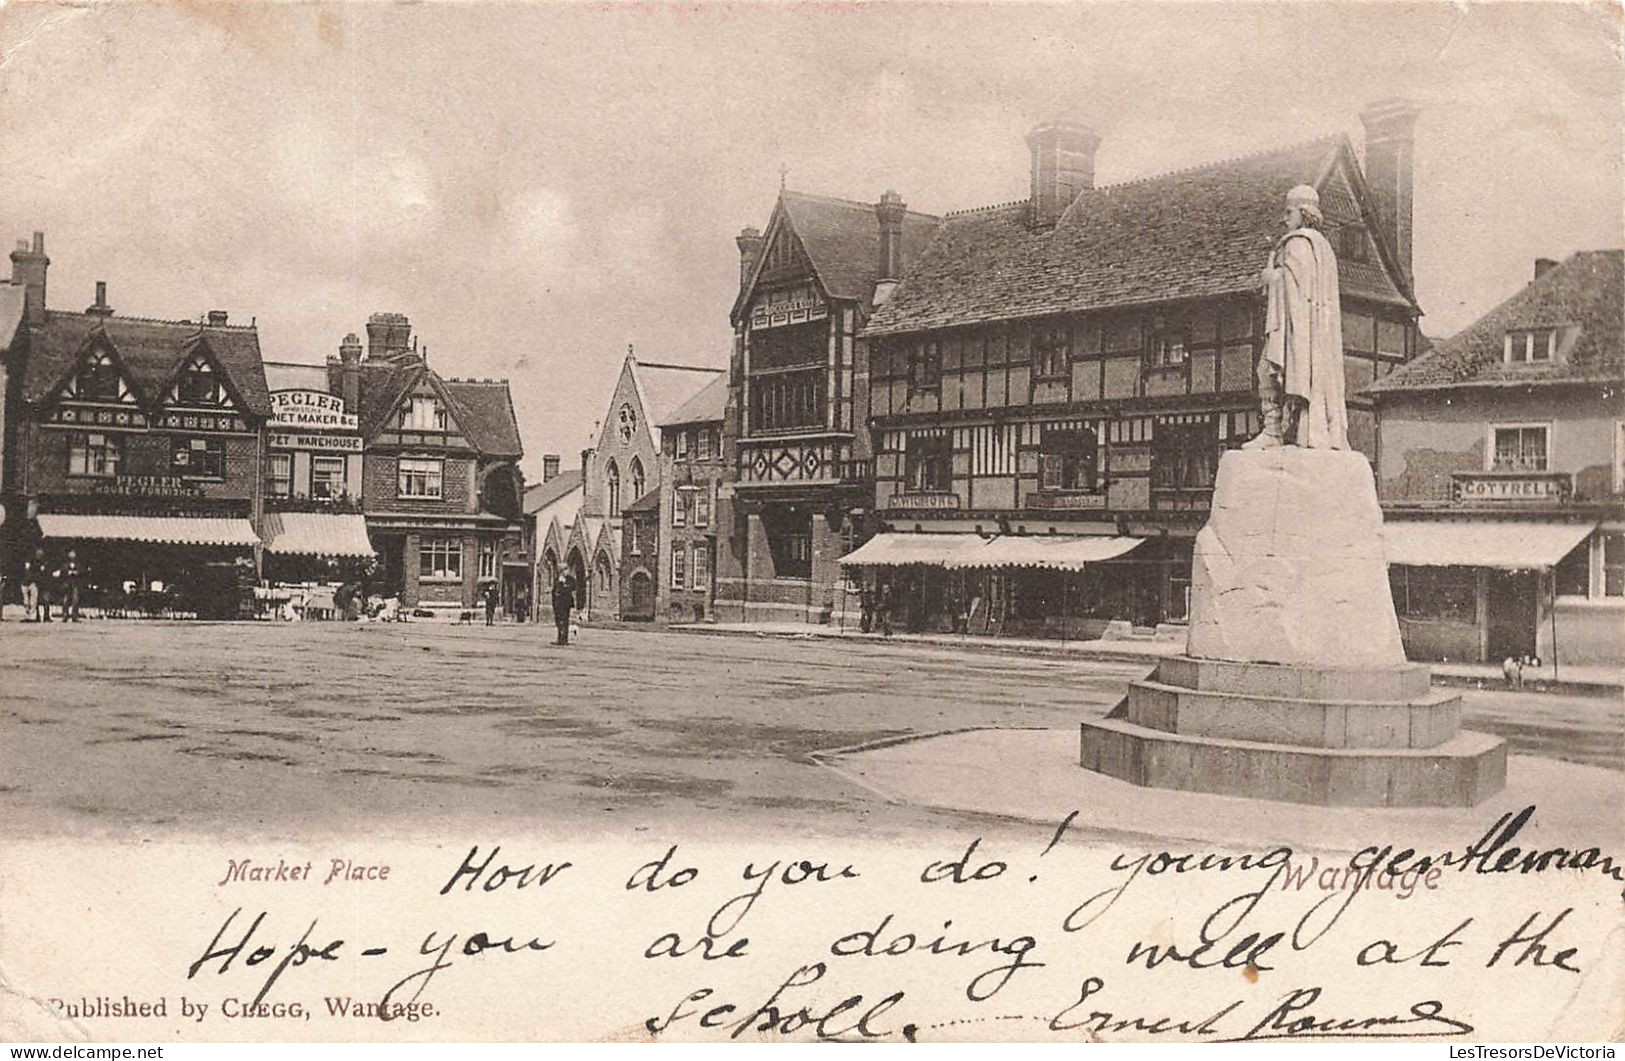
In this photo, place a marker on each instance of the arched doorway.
(578, 575)
(641, 594)
(603, 593)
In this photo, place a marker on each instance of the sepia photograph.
(803, 522)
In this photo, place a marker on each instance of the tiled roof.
(1193, 233)
(665, 388)
(1585, 290)
(151, 352)
(842, 237)
(484, 408)
(704, 408)
(649, 502)
(539, 495)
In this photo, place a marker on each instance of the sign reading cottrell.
(311, 411)
(1511, 487)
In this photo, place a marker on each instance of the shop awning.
(1517, 545)
(169, 530)
(1057, 552)
(899, 550)
(316, 534)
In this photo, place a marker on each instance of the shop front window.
(420, 477)
(198, 458)
(279, 475)
(327, 477)
(95, 454)
(1573, 572)
(1067, 460)
(1447, 594)
(440, 559)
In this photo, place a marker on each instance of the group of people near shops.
(44, 584)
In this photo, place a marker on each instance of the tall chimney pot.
(749, 241)
(29, 266)
(550, 466)
(100, 308)
(350, 372)
(217, 317)
(889, 211)
(1390, 152)
(1062, 158)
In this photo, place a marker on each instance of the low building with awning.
(1046, 584)
(317, 534)
(157, 530)
(1501, 468)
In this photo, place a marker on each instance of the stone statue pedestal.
(1294, 685)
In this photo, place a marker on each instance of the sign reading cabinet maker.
(311, 410)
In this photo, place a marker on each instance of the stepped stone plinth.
(1294, 686)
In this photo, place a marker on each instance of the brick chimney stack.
(28, 268)
(389, 337)
(1390, 150)
(1544, 266)
(217, 318)
(550, 466)
(350, 372)
(889, 212)
(749, 241)
(100, 308)
(1063, 164)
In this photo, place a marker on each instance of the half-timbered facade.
(1070, 367)
(440, 487)
(135, 452)
(796, 426)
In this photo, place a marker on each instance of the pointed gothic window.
(637, 478)
(613, 478)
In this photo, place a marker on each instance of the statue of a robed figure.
(1294, 683)
(1300, 374)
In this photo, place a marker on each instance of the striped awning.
(1511, 545)
(316, 534)
(169, 530)
(902, 550)
(1055, 552)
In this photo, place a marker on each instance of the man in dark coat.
(564, 599)
(491, 598)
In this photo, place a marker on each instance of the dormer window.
(423, 414)
(98, 380)
(1351, 241)
(198, 384)
(1530, 346)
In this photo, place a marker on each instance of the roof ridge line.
(198, 325)
(1230, 160)
(986, 209)
(686, 368)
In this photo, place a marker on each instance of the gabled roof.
(484, 408)
(664, 388)
(1193, 233)
(1586, 290)
(539, 495)
(649, 502)
(151, 352)
(704, 408)
(842, 240)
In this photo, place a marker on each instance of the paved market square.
(158, 729)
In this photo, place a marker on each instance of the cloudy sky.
(537, 186)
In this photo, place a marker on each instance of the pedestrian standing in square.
(491, 604)
(564, 599)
